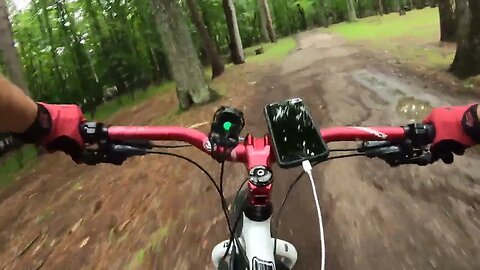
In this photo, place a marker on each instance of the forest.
(88, 51)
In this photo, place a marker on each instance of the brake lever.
(111, 153)
(396, 155)
(375, 148)
(145, 144)
(90, 157)
(422, 160)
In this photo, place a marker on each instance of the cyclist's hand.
(57, 129)
(454, 129)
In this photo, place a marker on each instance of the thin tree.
(322, 13)
(380, 7)
(182, 56)
(266, 21)
(8, 52)
(467, 57)
(448, 22)
(352, 15)
(263, 21)
(235, 43)
(211, 50)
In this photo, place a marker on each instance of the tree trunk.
(380, 7)
(8, 52)
(266, 21)
(263, 21)
(210, 49)
(396, 6)
(448, 22)
(467, 57)
(236, 47)
(352, 15)
(323, 14)
(182, 56)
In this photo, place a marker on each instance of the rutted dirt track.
(159, 213)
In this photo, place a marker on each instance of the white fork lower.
(258, 245)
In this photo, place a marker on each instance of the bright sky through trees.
(21, 4)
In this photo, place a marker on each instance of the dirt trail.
(377, 217)
(159, 213)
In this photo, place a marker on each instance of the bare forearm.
(17, 110)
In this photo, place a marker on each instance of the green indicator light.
(227, 125)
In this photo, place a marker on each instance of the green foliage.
(82, 51)
(74, 51)
(12, 163)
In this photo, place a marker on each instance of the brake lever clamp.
(396, 154)
(225, 131)
(103, 153)
(420, 134)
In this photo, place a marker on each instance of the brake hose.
(307, 167)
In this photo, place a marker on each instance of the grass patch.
(158, 236)
(108, 108)
(417, 23)
(413, 38)
(273, 51)
(153, 245)
(16, 161)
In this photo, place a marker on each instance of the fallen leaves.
(29, 244)
(199, 125)
(76, 226)
(123, 225)
(84, 242)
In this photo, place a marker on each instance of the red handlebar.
(160, 133)
(253, 151)
(363, 134)
(198, 138)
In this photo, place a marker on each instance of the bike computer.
(295, 136)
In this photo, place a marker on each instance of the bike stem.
(259, 156)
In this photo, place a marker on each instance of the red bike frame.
(254, 151)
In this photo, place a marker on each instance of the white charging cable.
(307, 167)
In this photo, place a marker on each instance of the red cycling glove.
(57, 127)
(456, 128)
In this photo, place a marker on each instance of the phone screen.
(295, 136)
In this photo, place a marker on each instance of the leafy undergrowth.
(24, 159)
(420, 23)
(413, 38)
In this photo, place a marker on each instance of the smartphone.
(295, 136)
